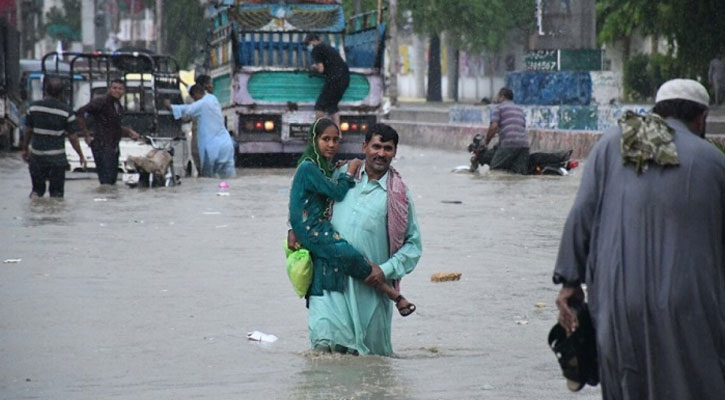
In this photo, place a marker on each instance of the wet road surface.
(149, 294)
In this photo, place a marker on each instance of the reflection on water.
(337, 376)
(46, 211)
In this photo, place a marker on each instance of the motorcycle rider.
(509, 121)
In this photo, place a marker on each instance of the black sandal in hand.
(406, 309)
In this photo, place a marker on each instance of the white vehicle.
(149, 79)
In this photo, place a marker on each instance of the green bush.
(662, 68)
(644, 73)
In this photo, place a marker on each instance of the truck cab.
(261, 71)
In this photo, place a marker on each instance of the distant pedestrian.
(216, 147)
(106, 112)
(646, 235)
(47, 123)
(327, 61)
(509, 121)
(716, 78)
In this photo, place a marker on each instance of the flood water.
(149, 293)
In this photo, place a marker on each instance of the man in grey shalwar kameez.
(646, 235)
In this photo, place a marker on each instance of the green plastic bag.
(299, 269)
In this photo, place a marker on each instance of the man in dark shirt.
(46, 125)
(327, 61)
(107, 112)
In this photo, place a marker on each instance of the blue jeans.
(106, 165)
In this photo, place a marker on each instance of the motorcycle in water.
(540, 163)
(156, 168)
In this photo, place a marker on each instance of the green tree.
(430, 19)
(472, 25)
(365, 6)
(693, 28)
(185, 30)
(64, 23)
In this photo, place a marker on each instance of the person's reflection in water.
(330, 375)
(46, 211)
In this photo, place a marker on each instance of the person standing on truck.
(106, 112)
(328, 62)
(216, 148)
(46, 125)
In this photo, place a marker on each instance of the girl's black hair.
(322, 124)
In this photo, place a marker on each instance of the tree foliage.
(694, 27)
(365, 6)
(473, 25)
(64, 23)
(184, 30)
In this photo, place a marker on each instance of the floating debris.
(258, 336)
(445, 276)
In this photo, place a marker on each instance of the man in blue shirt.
(216, 148)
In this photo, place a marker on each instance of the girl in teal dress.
(311, 196)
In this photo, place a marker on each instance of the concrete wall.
(565, 24)
(591, 118)
(457, 137)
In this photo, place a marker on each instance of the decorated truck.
(261, 71)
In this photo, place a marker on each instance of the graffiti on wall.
(584, 118)
(605, 87)
(551, 88)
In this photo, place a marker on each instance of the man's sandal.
(404, 311)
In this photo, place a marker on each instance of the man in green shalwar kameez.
(358, 319)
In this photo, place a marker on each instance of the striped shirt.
(512, 125)
(51, 120)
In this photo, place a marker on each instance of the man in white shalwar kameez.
(216, 148)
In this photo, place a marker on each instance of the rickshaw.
(149, 80)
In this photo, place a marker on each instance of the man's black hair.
(203, 80)
(386, 133)
(197, 90)
(506, 93)
(684, 110)
(310, 37)
(54, 87)
(119, 81)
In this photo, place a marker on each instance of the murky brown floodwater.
(149, 294)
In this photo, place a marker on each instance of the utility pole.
(88, 26)
(19, 25)
(393, 30)
(158, 26)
